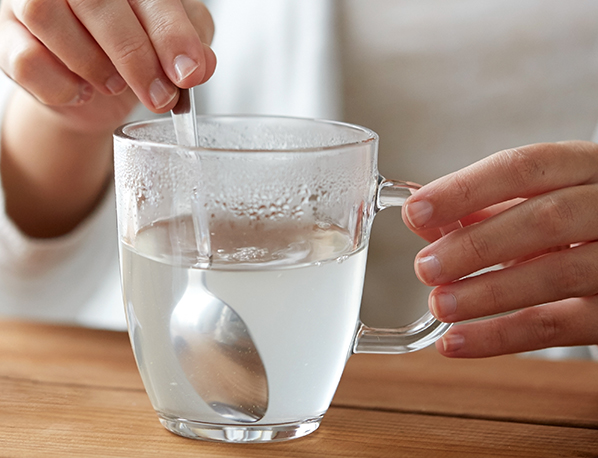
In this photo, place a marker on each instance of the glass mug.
(242, 266)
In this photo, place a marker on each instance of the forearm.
(53, 176)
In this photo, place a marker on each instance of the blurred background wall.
(443, 84)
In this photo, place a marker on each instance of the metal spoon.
(211, 341)
(217, 354)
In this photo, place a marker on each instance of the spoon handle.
(185, 127)
(183, 116)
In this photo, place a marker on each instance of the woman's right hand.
(66, 53)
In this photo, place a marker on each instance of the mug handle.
(423, 331)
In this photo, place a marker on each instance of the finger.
(549, 278)
(53, 23)
(433, 233)
(554, 219)
(201, 19)
(210, 63)
(116, 28)
(28, 62)
(175, 39)
(565, 323)
(521, 172)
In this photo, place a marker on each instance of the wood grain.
(73, 392)
(50, 419)
(58, 353)
(502, 388)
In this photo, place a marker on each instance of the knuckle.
(499, 336)
(476, 247)
(523, 165)
(494, 296)
(573, 277)
(545, 327)
(553, 216)
(463, 184)
(133, 49)
(163, 26)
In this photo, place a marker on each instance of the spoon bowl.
(217, 354)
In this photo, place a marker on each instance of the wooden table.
(72, 392)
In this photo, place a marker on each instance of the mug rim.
(370, 135)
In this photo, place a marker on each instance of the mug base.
(238, 433)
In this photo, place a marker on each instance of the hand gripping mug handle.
(423, 331)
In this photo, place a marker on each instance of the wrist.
(54, 172)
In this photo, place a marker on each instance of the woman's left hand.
(534, 211)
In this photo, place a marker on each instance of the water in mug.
(297, 288)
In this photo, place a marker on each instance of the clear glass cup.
(242, 265)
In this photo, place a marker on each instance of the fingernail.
(184, 66)
(452, 342)
(428, 268)
(115, 84)
(161, 94)
(443, 305)
(85, 94)
(419, 212)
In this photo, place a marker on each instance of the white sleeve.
(73, 278)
